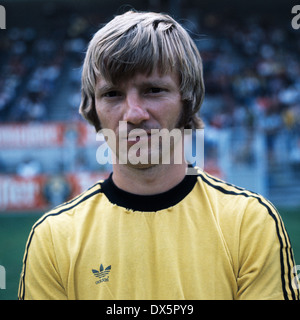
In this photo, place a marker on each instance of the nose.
(135, 110)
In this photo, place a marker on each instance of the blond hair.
(141, 42)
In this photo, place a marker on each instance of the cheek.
(173, 112)
(109, 118)
(103, 113)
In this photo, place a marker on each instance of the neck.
(148, 181)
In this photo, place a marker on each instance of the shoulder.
(251, 225)
(234, 204)
(56, 228)
(244, 214)
(69, 211)
(235, 196)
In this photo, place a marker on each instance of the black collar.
(148, 202)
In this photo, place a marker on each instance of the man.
(151, 231)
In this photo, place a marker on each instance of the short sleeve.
(266, 260)
(40, 279)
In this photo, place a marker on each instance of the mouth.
(135, 137)
(132, 135)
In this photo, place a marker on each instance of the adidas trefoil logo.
(102, 274)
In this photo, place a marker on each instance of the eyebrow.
(104, 88)
(150, 82)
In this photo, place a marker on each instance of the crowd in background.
(251, 71)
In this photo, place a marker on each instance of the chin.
(141, 166)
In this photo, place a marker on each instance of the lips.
(138, 135)
(133, 134)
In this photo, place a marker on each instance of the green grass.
(291, 219)
(14, 231)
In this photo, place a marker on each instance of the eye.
(111, 94)
(155, 90)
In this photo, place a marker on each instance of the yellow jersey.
(203, 239)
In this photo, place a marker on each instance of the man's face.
(142, 102)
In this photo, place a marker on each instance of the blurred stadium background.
(251, 111)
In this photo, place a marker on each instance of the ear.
(93, 116)
(87, 110)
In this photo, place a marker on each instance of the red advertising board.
(44, 135)
(43, 192)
